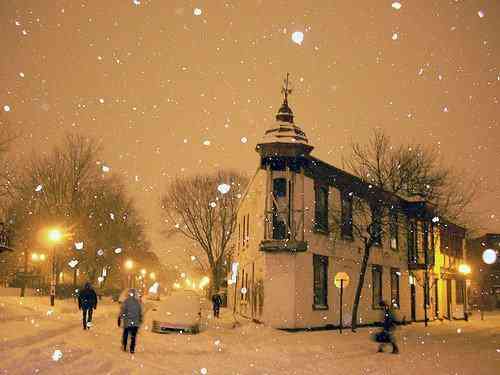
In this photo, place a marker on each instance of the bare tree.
(67, 188)
(410, 171)
(203, 209)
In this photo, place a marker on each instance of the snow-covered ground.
(32, 333)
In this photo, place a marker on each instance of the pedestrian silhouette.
(87, 302)
(131, 318)
(386, 336)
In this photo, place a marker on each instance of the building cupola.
(285, 138)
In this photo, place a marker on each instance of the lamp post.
(55, 236)
(464, 269)
(129, 264)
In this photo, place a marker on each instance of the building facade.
(296, 237)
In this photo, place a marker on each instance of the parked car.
(178, 312)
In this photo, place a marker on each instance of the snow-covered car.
(180, 311)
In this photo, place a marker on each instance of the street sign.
(341, 276)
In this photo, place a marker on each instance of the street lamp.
(464, 269)
(129, 264)
(55, 236)
(152, 276)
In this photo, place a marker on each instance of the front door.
(413, 293)
(436, 299)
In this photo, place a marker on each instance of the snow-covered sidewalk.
(30, 336)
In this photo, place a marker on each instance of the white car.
(180, 311)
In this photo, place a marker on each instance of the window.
(460, 289)
(395, 275)
(346, 219)
(393, 229)
(376, 286)
(247, 237)
(280, 209)
(377, 225)
(412, 239)
(244, 226)
(239, 235)
(321, 208)
(320, 268)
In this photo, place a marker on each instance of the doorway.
(413, 294)
(448, 299)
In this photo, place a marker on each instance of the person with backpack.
(131, 318)
(87, 302)
(388, 325)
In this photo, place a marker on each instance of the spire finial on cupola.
(285, 113)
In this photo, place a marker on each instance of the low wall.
(16, 292)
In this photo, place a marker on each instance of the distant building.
(287, 255)
(485, 287)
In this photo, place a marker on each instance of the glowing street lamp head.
(143, 272)
(152, 276)
(35, 257)
(489, 256)
(55, 235)
(42, 257)
(129, 264)
(464, 269)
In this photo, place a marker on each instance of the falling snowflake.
(73, 263)
(298, 37)
(101, 100)
(39, 187)
(396, 5)
(445, 109)
(79, 245)
(213, 204)
(223, 188)
(206, 143)
(100, 279)
(112, 216)
(21, 74)
(480, 14)
(193, 258)
(136, 2)
(24, 32)
(395, 36)
(197, 11)
(57, 355)
(203, 371)
(50, 312)
(100, 252)
(105, 168)
(459, 330)
(435, 219)
(217, 342)
(118, 250)
(6, 108)
(244, 140)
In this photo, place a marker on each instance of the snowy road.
(31, 332)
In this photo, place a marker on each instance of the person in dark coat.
(87, 302)
(388, 325)
(216, 304)
(131, 318)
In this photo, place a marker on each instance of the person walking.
(388, 325)
(87, 302)
(216, 304)
(131, 318)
